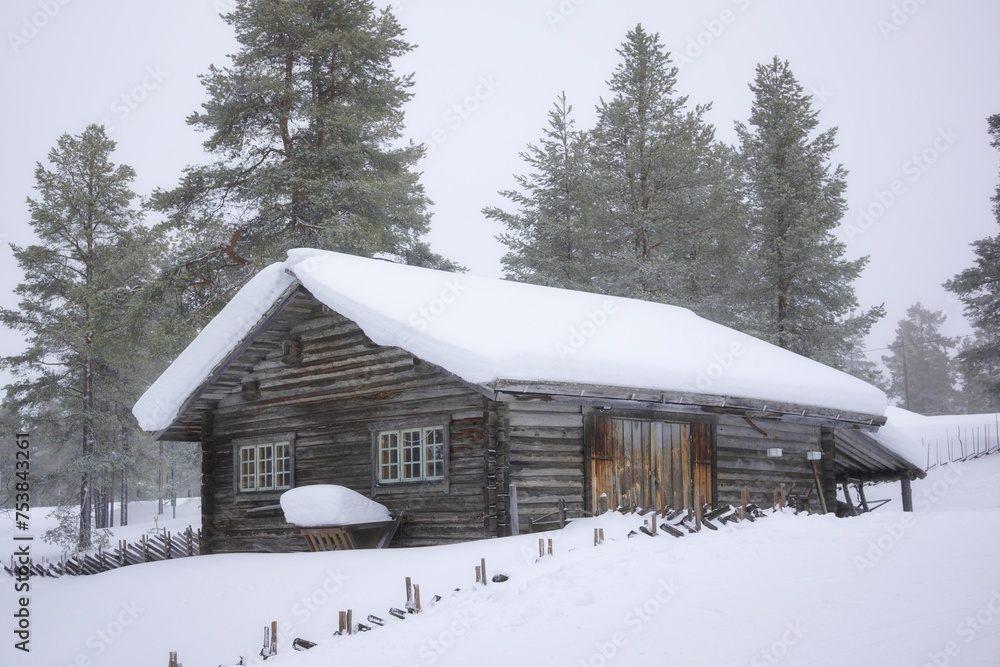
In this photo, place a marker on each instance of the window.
(411, 455)
(265, 466)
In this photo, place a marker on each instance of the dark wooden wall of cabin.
(344, 384)
(741, 459)
(546, 457)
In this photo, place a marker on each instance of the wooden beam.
(907, 494)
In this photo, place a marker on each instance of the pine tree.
(76, 312)
(554, 238)
(978, 287)
(921, 371)
(802, 298)
(860, 366)
(665, 184)
(304, 129)
(977, 373)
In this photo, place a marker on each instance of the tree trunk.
(123, 507)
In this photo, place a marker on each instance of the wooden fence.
(155, 547)
(962, 443)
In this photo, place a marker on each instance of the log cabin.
(478, 406)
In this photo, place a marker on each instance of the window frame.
(403, 482)
(272, 443)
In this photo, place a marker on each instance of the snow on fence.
(159, 546)
(962, 443)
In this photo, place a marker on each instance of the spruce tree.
(666, 186)
(978, 287)
(76, 311)
(304, 130)
(922, 374)
(555, 236)
(800, 286)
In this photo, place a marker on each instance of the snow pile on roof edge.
(157, 408)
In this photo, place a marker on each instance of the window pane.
(248, 468)
(433, 453)
(283, 465)
(411, 454)
(265, 467)
(389, 457)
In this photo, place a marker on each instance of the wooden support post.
(602, 535)
(861, 494)
(562, 512)
(550, 546)
(907, 494)
(350, 621)
(847, 497)
(409, 595)
(602, 504)
(541, 547)
(783, 499)
(744, 501)
(652, 524)
(698, 513)
(343, 622)
(819, 488)
(274, 638)
(173, 659)
(416, 596)
(482, 563)
(595, 537)
(479, 575)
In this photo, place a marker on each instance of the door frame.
(590, 415)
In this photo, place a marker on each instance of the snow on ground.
(883, 589)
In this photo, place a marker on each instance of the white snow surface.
(885, 589)
(926, 440)
(330, 505)
(484, 330)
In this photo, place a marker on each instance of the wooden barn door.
(648, 463)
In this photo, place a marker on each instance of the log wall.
(741, 459)
(546, 457)
(330, 400)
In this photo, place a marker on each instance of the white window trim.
(398, 429)
(256, 445)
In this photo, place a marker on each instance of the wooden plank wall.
(546, 457)
(741, 459)
(344, 384)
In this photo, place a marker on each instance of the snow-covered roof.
(486, 330)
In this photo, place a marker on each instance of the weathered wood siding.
(546, 456)
(343, 386)
(741, 459)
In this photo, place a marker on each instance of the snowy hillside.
(883, 589)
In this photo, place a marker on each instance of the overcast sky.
(909, 84)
